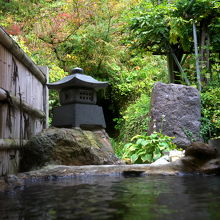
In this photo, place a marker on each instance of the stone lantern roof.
(78, 79)
(78, 99)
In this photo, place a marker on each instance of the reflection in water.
(151, 197)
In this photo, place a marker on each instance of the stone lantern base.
(78, 115)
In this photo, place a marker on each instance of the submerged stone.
(68, 147)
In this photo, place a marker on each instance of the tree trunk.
(208, 53)
(170, 67)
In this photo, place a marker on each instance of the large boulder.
(201, 151)
(67, 147)
(175, 110)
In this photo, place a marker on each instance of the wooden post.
(45, 70)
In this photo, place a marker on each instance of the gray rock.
(175, 110)
(215, 143)
(176, 155)
(162, 160)
(185, 165)
(201, 151)
(68, 147)
(172, 156)
(194, 165)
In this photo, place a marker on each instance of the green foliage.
(94, 35)
(210, 112)
(205, 13)
(134, 119)
(137, 77)
(156, 27)
(166, 28)
(131, 90)
(197, 10)
(56, 73)
(147, 149)
(117, 147)
(150, 27)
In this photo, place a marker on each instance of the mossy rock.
(67, 147)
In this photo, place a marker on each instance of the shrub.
(210, 122)
(134, 119)
(147, 149)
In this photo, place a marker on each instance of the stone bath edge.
(55, 172)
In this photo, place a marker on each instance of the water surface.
(149, 197)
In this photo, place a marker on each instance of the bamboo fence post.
(198, 74)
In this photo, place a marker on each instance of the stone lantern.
(77, 93)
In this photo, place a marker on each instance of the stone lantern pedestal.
(79, 115)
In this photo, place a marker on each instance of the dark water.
(151, 197)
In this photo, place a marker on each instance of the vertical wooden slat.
(45, 70)
(9, 161)
(33, 91)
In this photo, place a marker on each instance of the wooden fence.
(23, 101)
